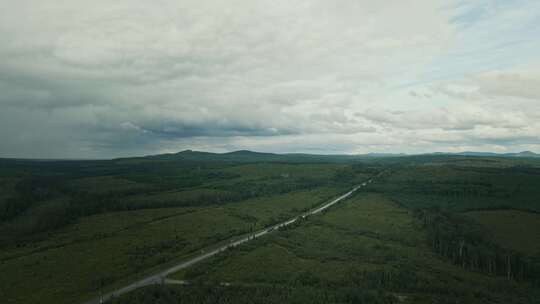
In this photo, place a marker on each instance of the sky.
(104, 79)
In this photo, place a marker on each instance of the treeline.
(189, 177)
(38, 187)
(515, 169)
(50, 196)
(42, 181)
(467, 246)
(29, 191)
(61, 203)
(251, 189)
(84, 204)
(454, 189)
(33, 190)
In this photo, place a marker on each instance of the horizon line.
(396, 154)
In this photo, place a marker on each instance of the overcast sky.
(101, 78)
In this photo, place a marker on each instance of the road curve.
(161, 277)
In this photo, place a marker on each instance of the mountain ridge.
(250, 156)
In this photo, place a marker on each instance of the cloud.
(520, 84)
(107, 79)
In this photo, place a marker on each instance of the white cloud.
(263, 75)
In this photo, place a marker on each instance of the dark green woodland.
(428, 229)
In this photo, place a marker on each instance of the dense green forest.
(427, 229)
(462, 243)
(58, 193)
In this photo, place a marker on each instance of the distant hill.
(252, 156)
(383, 155)
(524, 154)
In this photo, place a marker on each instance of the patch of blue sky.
(482, 59)
(507, 37)
(471, 11)
(469, 16)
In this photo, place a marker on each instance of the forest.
(433, 229)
